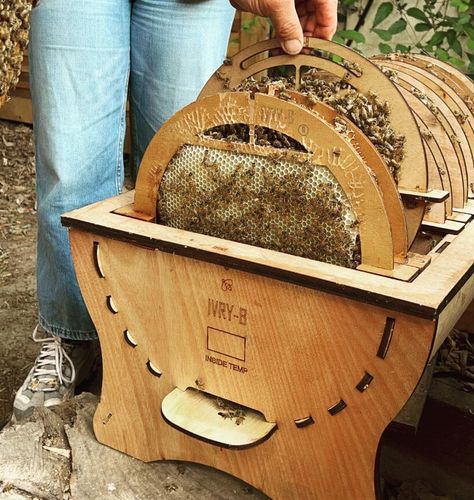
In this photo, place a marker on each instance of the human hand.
(293, 19)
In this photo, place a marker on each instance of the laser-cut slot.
(129, 339)
(386, 338)
(338, 407)
(364, 382)
(153, 369)
(111, 304)
(97, 261)
(304, 422)
(442, 247)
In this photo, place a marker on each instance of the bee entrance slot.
(215, 420)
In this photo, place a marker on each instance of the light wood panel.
(299, 357)
(327, 354)
(440, 279)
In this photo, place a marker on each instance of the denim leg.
(175, 47)
(79, 60)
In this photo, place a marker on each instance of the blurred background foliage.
(441, 28)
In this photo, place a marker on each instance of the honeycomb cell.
(277, 203)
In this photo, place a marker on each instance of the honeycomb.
(276, 202)
(14, 25)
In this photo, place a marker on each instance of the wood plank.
(448, 227)
(433, 195)
(17, 109)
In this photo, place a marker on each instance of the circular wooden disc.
(325, 147)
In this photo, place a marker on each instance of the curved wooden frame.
(442, 154)
(450, 92)
(413, 171)
(457, 80)
(458, 169)
(368, 152)
(326, 147)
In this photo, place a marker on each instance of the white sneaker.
(60, 366)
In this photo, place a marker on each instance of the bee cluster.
(366, 111)
(277, 202)
(14, 17)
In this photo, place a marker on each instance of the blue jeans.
(82, 53)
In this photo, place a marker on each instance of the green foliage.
(384, 10)
(355, 36)
(442, 28)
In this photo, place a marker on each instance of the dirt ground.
(18, 312)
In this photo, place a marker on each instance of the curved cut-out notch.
(97, 259)
(111, 304)
(304, 422)
(386, 338)
(214, 420)
(364, 382)
(153, 369)
(337, 408)
(129, 339)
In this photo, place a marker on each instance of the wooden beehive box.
(276, 368)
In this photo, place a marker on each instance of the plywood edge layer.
(320, 284)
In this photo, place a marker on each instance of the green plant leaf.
(383, 34)
(437, 38)
(470, 44)
(456, 62)
(338, 39)
(464, 19)
(460, 5)
(384, 10)
(451, 37)
(401, 48)
(422, 27)
(469, 30)
(456, 46)
(355, 36)
(441, 54)
(418, 14)
(385, 48)
(397, 27)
